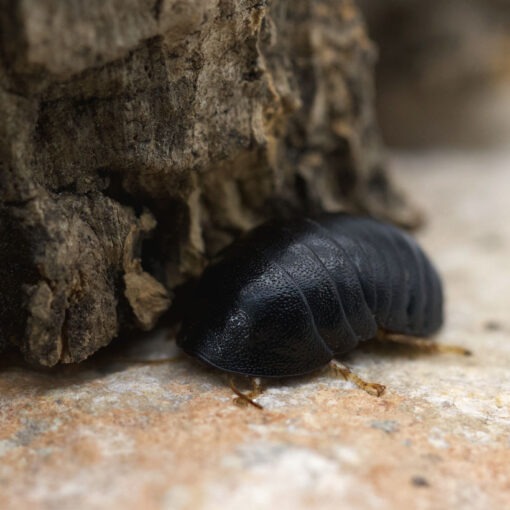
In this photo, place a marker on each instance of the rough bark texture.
(185, 121)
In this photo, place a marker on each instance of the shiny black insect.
(288, 298)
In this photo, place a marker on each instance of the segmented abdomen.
(400, 285)
(356, 275)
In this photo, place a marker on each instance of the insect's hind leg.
(374, 389)
(243, 399)
(424, 344)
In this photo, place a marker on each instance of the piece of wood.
(183, 122)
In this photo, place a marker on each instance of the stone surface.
(117, 434)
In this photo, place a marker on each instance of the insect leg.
(247, 398)
(424, 344)
(340, 369)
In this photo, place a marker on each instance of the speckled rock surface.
(116, 434)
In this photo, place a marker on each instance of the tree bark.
(140, 137)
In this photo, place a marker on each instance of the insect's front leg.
(243, 399)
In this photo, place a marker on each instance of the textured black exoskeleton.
(288, 298)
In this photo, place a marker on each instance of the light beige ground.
(116, 435)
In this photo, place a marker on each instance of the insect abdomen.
(407, 289)
(357, 275)
(330, 266)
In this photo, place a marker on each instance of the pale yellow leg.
(424, 344)
(244, 399)
(374, 389)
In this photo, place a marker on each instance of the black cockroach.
(290, 298)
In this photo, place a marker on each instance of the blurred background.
(443, 73)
